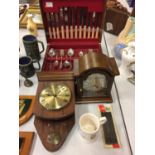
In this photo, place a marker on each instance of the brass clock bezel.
(55, 96)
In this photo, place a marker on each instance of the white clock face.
(95, 82)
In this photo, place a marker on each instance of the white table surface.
(126, 92)
(74, 144)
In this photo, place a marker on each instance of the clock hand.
(97, 83)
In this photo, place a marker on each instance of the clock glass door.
(95, 85)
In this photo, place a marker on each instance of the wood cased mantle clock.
(94, 76)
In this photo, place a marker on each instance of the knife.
(62, 23)
(80, 23)
(53, 25)
(93, 24)
(97, 26)
(76, 23)
(49, 28)
(88, 24)
(66, 22)
(84, 20)
(57, 25)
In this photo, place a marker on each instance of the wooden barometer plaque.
(54, 108)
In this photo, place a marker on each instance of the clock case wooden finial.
(95, 63)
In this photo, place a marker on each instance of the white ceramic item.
(89, 125)
(128, 57)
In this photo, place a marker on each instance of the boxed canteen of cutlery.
(72, 29)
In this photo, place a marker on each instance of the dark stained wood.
(67, 111)
(94, 100)
(117, 18)
(61, 127)
(94, 60)
(56, 76)
(94, 63)
(26, 143)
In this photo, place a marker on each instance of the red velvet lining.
(93, 5)
(48, 61)
(48, 6)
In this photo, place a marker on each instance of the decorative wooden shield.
(25, 108)
(25, 142)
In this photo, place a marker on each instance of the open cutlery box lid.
(75, 24)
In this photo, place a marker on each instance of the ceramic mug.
(31, 46)
(26, 67)
(89, 125)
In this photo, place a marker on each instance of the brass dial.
(55, 96)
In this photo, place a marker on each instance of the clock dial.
(95, 82)
(55, 96)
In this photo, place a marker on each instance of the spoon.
(80, 53)
(62, 53)
(52, 52)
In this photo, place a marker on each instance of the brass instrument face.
(55, 96)
(53, 138)
(95, 82)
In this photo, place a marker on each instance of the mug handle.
(36, 61)
(42, 46)
(102, 120)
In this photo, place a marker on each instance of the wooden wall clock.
(54, 108)
(25, 142)
(26, 104)
(94, 77)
